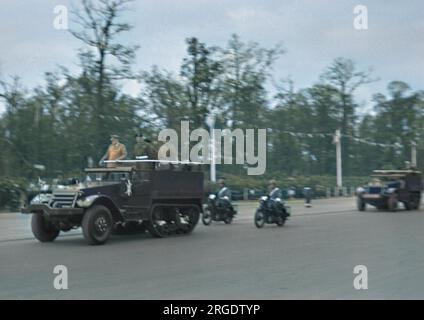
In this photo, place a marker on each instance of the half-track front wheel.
(97, 225)
(413, 203)
(43, 230)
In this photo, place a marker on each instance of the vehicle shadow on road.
(78, 239)
(399, 211)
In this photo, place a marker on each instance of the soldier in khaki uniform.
(116, 151)
(144, 148)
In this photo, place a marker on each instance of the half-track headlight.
(87, 201)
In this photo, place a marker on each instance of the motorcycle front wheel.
(259, 219)
(206, 217)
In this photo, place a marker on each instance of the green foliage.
(12, 191)
(67, 121)
(318, 183)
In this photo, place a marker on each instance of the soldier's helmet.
(138, 136)
(272, 182)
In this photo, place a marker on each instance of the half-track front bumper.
(52, 212)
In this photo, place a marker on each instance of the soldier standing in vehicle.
(144, 148)
(115, 151)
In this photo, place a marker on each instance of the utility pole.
(413, 154)
(211, 123)
(213, 165)
(338, 142)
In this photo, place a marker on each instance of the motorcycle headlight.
(212, 196)
(391, 190)
(36, 199)
(41, 198)
(264, 198)
(360, 190)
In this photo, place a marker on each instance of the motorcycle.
(218, 210)
(271, 211)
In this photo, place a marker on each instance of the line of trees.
(67, 120)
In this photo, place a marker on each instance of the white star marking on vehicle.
(129, 190)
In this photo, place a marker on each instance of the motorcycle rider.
(274, 191)
(224, 196)
(274, 194)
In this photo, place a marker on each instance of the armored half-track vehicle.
(167, 201)
(388, 188)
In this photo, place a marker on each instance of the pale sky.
(314, 32)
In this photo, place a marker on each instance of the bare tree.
(99, 26)
(343, 75)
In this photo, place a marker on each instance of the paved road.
(312, 257)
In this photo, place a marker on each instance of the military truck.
(388, 188)
(167, 200)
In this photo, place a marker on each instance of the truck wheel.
(392, 203)
(42, 229)
(97, 225)
(130, 227)
(207, 216)
(259, 219)
(159, 224)
(415, 203)
(187, 219)
(361, 204)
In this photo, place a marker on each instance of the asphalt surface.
(311, 257)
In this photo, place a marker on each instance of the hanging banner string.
(396, 145)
